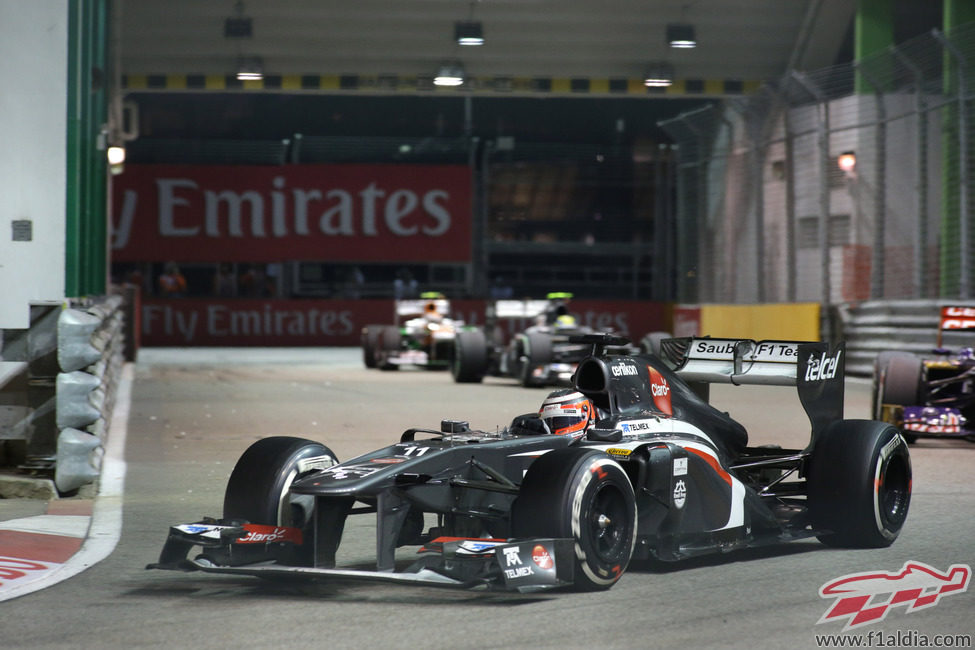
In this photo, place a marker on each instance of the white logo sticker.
(680, 466)
(680, 494)
(511, 556)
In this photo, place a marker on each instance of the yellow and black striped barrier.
(392, 84)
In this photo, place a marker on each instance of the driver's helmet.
(565, 321)
(430, 312)
(567, 412)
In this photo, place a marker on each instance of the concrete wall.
(33, 121)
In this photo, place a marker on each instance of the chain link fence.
(848, 183)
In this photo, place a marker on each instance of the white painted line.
(106, 519)
(67, 525)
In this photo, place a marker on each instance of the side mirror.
(605, 435)
(528, 424)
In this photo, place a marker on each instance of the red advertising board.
(231, 322)
(361, 213)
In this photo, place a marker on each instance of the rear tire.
(859, 484)
(650, 344)
(470, 360)
(585, 495)
(536, 350)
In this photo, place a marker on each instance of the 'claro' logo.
(823, 367)
(253, 536)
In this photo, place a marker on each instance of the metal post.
(700, 208)
(757, 161)
(477, 281)
(921, 172)
(790, 197)
(880, 189)
(824, 206)
(964, 290)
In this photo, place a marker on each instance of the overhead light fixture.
(250, 68)
(659, 75)
(681, 35)
(450, 74)
(468, 32)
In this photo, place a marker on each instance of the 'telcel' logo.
(865, 598)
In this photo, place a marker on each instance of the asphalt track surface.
(193, 411)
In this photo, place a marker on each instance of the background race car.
(422, 336)
(631, 462)
(931, 395)
(542, 354)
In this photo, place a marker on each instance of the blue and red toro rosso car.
(931, 395)
(631, 462)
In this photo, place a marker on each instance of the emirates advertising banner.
(361, 213)
(245, 322)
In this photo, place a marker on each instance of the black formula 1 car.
(543, 354)
(422, 336)
(631, 462)
(930, 396)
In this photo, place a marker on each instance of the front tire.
(259, 486)
(585, 495)
(859, 484)
(370, 341)
(390, 341)
(897, 380)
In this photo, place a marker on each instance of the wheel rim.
(894, 490)
(293, 509)
(607, 524)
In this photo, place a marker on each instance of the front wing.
(265, 551)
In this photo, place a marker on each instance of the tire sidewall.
(470, 356)
(257, 490)
(594, 474)
(855, 465)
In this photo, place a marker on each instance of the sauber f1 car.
(543, 354)
(630, 462)
(930, 396)
(422, 336)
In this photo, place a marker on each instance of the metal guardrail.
(872, 327)
(59, 388)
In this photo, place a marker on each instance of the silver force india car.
(631, 462)
(933, 395)
(422, 336)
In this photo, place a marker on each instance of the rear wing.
(816, 369)
(733, 361)
(510, 309)
(418, 306)
(954, 318)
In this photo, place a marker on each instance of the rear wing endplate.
(955, 317)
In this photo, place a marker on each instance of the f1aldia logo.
(866, 598)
